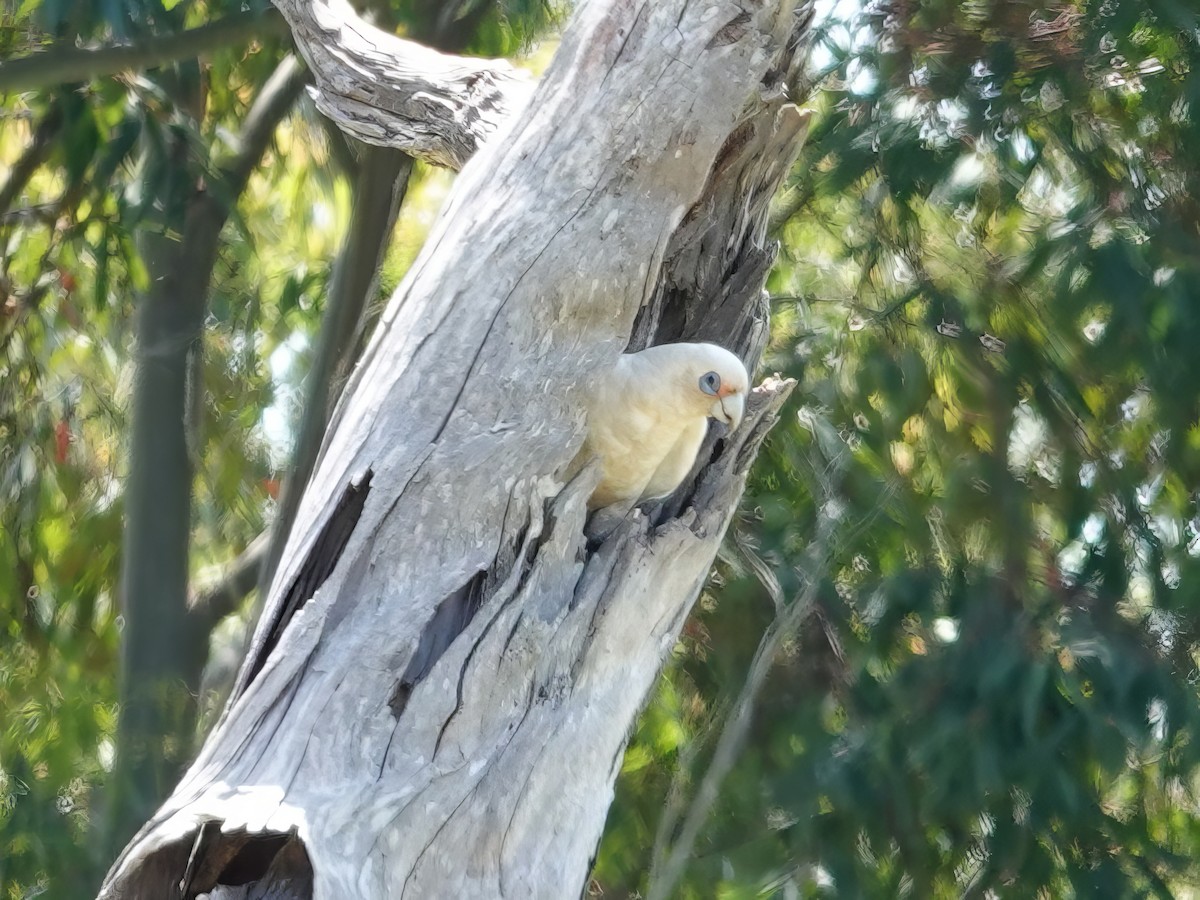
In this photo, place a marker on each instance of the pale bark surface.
(441, 687)
(396, 93)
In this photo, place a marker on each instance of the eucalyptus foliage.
(989, 286)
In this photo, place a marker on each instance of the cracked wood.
(628, 199)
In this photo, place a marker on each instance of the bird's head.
(716, 382)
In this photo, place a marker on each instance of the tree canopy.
(950, 648)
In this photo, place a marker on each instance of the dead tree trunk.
(445, 674)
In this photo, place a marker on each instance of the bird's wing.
(629, 429)
(630, 447)
(678, 461)
(644, 432)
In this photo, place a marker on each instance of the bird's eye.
(710, 383)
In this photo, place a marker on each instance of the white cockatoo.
(647, 417)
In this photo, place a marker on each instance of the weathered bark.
(378, 193)
(380, 177)
(387, 91)
(442, 683)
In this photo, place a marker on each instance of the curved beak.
(729, 410)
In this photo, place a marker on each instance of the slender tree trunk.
(379, 188)
(443, 680)
(164, 645)
(159, 652)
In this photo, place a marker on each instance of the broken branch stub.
(387, 91)
(445, 715)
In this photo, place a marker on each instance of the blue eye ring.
(710, 383)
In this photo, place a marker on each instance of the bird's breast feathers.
(647, 418)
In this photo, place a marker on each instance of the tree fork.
(442, 712)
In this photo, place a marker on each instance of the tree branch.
(787, 205)
(378, 192)
(220, 594)
(664, 878)
(35, 154)
(163, 654)
(270, 106)
(391, 92)
(66, 64)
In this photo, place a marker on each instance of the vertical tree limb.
(379, 189)
(162, 649)
(669, 866)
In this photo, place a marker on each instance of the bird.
(648, 415)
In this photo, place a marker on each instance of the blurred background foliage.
(989, 288)
(950, 649)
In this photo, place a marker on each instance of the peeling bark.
(443, 712)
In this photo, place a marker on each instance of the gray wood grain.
(390, 92)
(445, 716)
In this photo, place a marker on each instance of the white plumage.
(647, 418)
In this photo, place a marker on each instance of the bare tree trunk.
(443, 680)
